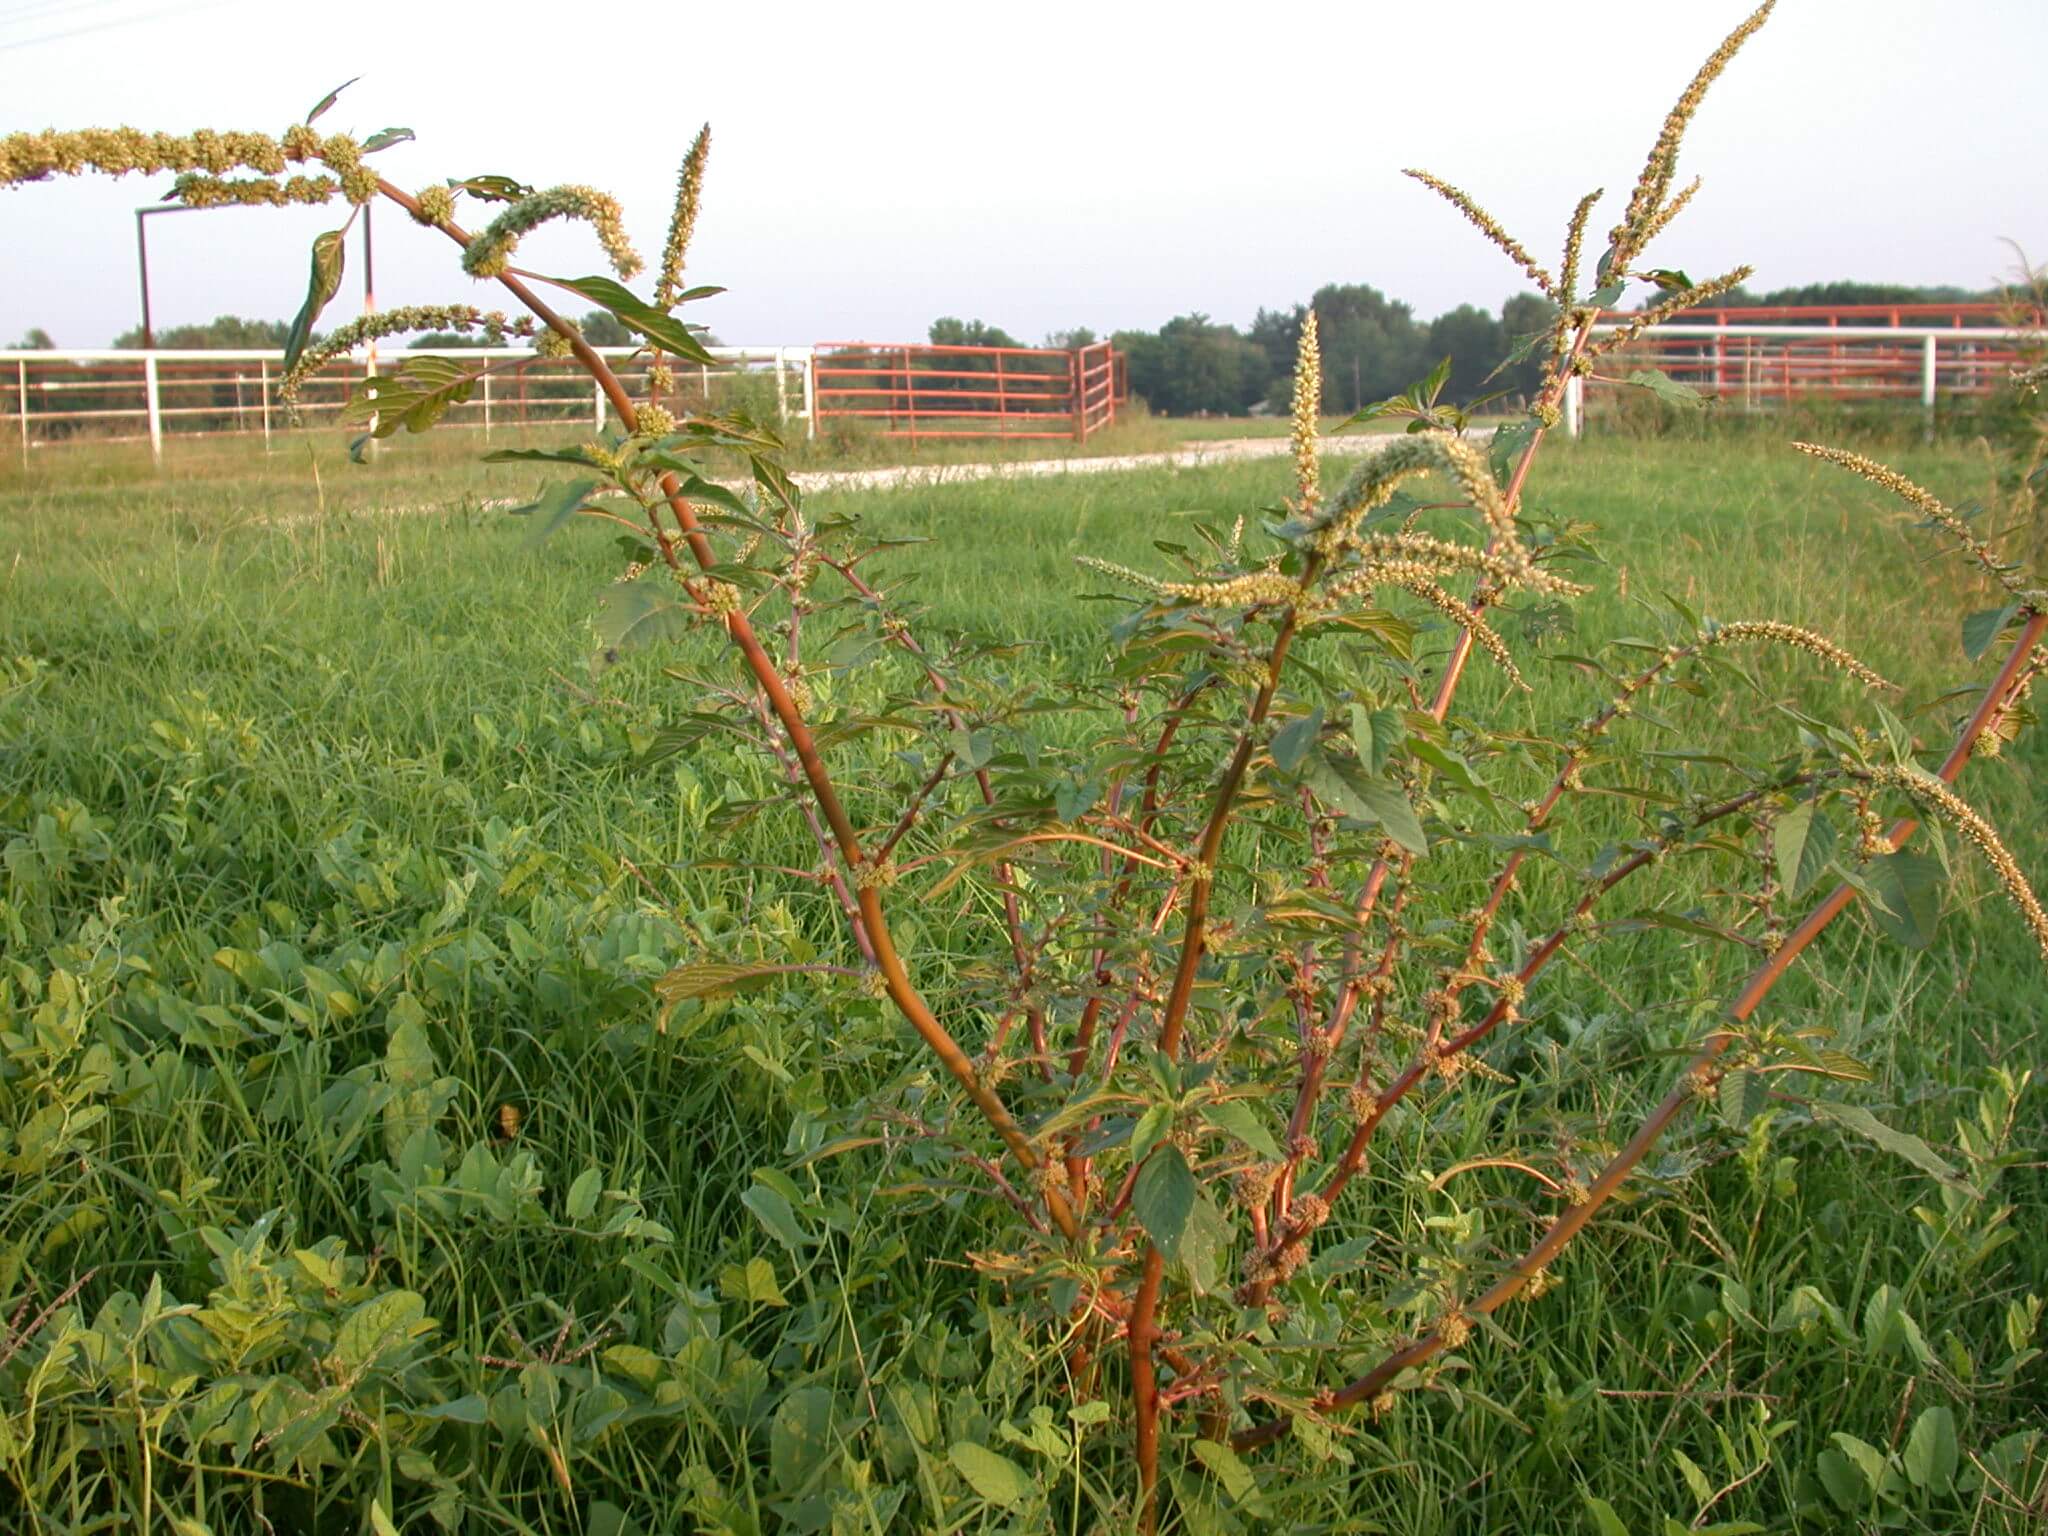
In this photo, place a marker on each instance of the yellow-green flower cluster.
(551, 343)
(1934, 794)
(1930, 506)
(1488, 226)
(1647, 200)
(436, 206)
(126, 151)
(1462, 615)
(1574, 245)
(1307, 407)
(1663, 310)
(683, 222)
(1252, 589)
(389, 322)
(490, 253)
(651, 420)
(195, 190)
(1799, 640)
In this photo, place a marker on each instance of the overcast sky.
(1109, 164)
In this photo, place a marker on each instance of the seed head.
(490, 253)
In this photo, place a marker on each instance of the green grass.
(340, 836)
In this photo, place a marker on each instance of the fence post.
(263, 386)
(156, 410)
(597, 405)
(781, 386)
(487, 404)
(21, 403)
(1574, 405)
(1927, 381)
(811, 393)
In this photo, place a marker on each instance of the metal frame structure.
(121, 395)
(919, 391)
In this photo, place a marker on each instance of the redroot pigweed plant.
(1264, 893)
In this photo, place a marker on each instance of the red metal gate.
(926, 391)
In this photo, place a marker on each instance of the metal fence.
(1751, 365)
(917, 391)
(120, 395)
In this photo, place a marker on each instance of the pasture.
(320, 828)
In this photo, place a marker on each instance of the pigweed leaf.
(659, 327)
(1931, 1455)
(1353, 794)
(1607, 296)
(1291, 743)
(492, 189)
(384, 138)
(1804, 841)
(328, 261)
(1904, 891)
(1228, 1468)
(1853, 1117)
(1376, 733)
(1242, 1121)
(330, 99)
(1742, 1097)
(1203, 1244)
(1505, 447)
(1150, 1129)
(1163, 1198)
(414, 396)
(555, 506)
(711, 978)
(1666, 388)
(991, 1474)
(1981, 628)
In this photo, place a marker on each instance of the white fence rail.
(1756, 367)
(122, 395)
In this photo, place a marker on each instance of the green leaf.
(1906, 896)
(1931, 1455)
(1242, 1121)
(1980, 629)
(1853, 1117)
(1605, 1521)
(1352, 794)
(755, 1283)
(555, 505)
(1695, 1480)
(384, 138)
(330, 99)
(380, 1523)
(1203, 1244)
(1742, 1098)
(1803, 841)
(415, 395)
(379, 1325)
(329, 260)
(800, 1439)
(1667, 389)
(634, 615)
(1291, 743)
(664, 330)
(1376, 733)
(710, 978)
(773, 1211)
(1152, 1125)
(1163, 1197)
(1505, 447)
(1844, 1482)
(492, 189)
(1228, 1468)
(409, 1071)
(991, 1474)
(582, 1197)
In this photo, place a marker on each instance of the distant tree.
(1526, 314)
(1195, 365)
(950, 332)
(1372, 345)
(1475, 342)
(223, 331)
(37, 340)
(1068, 341)
(602, 328)
(1277, 333)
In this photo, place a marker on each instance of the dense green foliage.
(324, 846)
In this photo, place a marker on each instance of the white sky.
(1111, 164)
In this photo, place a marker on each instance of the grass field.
(320, 832)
